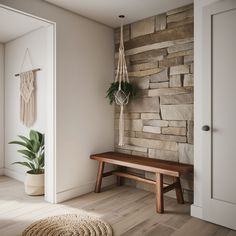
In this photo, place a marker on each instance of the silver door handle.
(205, 128)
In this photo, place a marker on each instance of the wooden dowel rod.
(38, 69)
(134, 177)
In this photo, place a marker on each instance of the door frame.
(213, 210)
(50, 131)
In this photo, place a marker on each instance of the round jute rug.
(69, 225)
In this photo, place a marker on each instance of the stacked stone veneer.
(159, 122)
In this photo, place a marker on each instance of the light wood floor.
(130, 211)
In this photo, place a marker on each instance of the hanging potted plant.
(34, 153)
(121, 90)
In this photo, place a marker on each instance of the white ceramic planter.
(34, 184)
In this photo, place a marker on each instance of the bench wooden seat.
(160, 167)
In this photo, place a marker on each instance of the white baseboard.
(196, 211)
(82, 189)
(13, 174)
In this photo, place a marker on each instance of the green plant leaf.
(27, 141)
(27, 153)
(35, 146)
(41, 160)
(19, 143)
(23, 163)
(34, 135)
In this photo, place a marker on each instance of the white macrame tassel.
(27, 98)
(121, 126)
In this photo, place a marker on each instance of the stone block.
(128, 133)
(180, 54)
(162, 137)
(158, 85)
(142, 27)
(143, 66)
(150, 116)
(177, 99)
(160, 22)
(177, 24)
(152, 129)
(123, 151)
(133, 148)
(188, 80)
(181, 69)
(126, 34)
(150, 175)
(175, 81)
(143, 105)
(174, 130)
(186, 153)
(179, 9)
(133, 125)
(161, 76)
(163, 154)
(168, 91)
(190, 131)
(164, 36)
(188, 59)
(144, 72)
(177, 123)
(150, 143)
(168, 62)
(154, 46)
(177, 112)
(146, 56)
(140, 83)
(191, 68)
(180, 47)
(180, 16)
(157, 123)
(141, 154)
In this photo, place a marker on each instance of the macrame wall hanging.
(27, 93)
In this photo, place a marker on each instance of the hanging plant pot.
(127, 88)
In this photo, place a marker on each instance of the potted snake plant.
(33, 152)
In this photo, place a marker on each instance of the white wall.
(36, 42)
(1, 108)
(85, 53)
(196, 209)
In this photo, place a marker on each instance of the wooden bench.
(159, 167)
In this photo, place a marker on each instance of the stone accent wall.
(159, 122)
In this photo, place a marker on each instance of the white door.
(219, 113)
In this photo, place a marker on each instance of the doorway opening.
(21, 33)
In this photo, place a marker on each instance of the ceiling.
(107, 11)
(14, 24)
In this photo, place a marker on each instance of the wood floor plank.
(130, 211)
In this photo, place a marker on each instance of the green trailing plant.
(127, 88)
(33, 151)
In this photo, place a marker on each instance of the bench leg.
(178, 190)
(159, 193)
(120, 180)
(99, 177)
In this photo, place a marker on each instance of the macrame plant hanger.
(121, 97)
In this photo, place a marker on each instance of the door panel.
(219, 111)
(223, 105)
